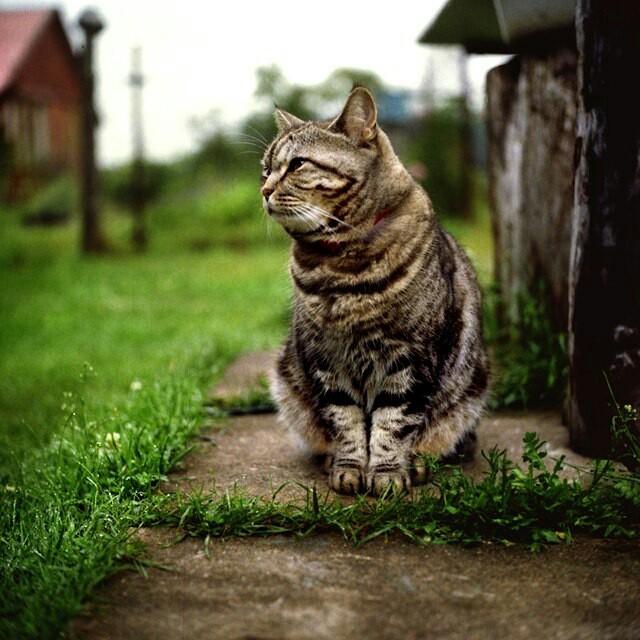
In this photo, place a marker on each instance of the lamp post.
(92, 240)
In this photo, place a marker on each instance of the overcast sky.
(200, 55)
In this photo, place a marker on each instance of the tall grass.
(65, 517)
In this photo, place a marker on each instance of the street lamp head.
(91, 22)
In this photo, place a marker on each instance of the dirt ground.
(324, 587)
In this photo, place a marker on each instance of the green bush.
(54, 203)
(530, 357)
(119, 187)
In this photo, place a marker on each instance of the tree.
(313, 102)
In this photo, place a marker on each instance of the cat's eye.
(296, 163)
(265, 175)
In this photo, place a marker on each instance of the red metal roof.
(19, 30)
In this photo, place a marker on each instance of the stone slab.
(325, 588)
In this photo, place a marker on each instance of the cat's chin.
(293, 224)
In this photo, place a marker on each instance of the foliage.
(438, 143)
(214, 214)
(530, 356)
(530, 503)
(53, 203)
(624, 434)
(474, 235)
(118, 184)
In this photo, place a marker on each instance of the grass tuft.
(531, 503)
(529, 355)
(65, 520)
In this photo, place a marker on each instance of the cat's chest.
(364, 365)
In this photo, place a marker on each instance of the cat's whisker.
(258, 135)
(324, 213)
(319, 222)
(246, 152)
(250, 138)
(308, 218)
(250, 146)
(245, 143)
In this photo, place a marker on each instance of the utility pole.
(93, 240)
(466, 141)
(139, 237)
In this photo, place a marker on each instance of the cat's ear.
(358, 118)
(286, 121)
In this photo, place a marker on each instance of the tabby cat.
(385, 358)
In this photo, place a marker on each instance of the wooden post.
(531, 121)
(604, 290)
(93, 240)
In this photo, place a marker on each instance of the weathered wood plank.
(604, 300)
(531, 103)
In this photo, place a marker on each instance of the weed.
(530, 503)
(530, 355)
(624, 432)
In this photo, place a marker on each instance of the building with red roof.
(40, 95)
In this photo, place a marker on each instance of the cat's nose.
(267, 191)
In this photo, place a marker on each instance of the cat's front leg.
(349, 448)
(393, 433)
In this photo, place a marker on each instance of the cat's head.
(328, 181)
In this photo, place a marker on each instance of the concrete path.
(323, 587)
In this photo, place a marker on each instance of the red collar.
(381, 216)
(333, 246)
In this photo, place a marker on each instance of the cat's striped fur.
(384, 359)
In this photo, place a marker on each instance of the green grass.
(132, 318)
(476, 239)
(530, 359)
(65, 518)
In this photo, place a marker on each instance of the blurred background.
(132, 240)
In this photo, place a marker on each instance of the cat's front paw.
(348, 480)
(383, 479)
